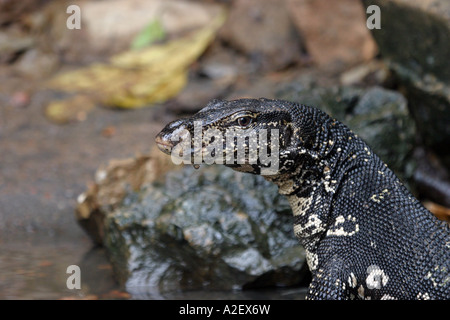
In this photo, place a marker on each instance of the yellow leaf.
(139, 77)
(175, 54)
(142, 92)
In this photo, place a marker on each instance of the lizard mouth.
(163, 144)
(168, 146)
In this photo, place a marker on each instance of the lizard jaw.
(164, 144)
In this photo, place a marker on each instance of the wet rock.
(415, 34)
(263, 31)
(415, 40)
(381, 118)
(211, 228)
(377, 115)
(429, 102)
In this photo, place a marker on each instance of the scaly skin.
(365, 235)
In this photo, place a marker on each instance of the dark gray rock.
(213, 228)
(415, 34)
(429, 102)
(415, 41)
(382, 119)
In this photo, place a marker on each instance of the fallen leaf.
(441, 212)
(135, 78)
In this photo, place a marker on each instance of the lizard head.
(250, 135)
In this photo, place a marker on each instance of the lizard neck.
(310, 204)
(309, 192)
(311, 188)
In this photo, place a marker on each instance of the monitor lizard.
(365, 235)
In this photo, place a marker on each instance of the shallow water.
(36, 268)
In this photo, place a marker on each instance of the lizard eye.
(244, 121)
